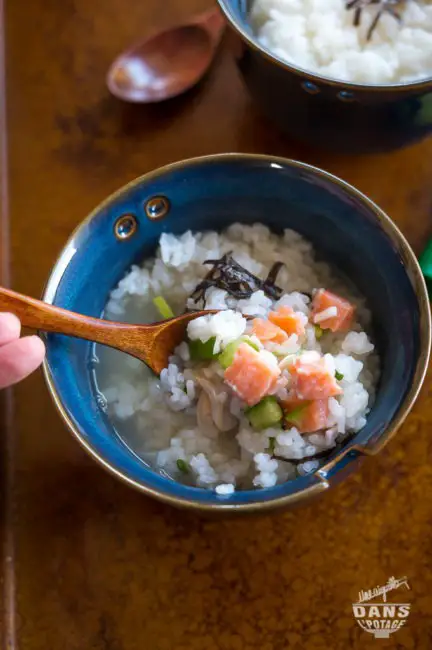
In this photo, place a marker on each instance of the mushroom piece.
(216, 396)
(204, 415)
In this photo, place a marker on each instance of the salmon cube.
(331, 311)
(287, 319)
(291, 403)
(311, 380)
(306, 416)
(268, 332)
(252, 375)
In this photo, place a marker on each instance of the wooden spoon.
(167, 63)
(152, 343)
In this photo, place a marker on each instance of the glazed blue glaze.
(212, 194)
(352, 118)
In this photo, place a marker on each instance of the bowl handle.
(342, 460)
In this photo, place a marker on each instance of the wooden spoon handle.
(43, 316)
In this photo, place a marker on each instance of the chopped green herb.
(163, 307)
(318, 332)
(424, 115)
(182, 465)
(272, 445)
(200, 351)
(267, 413)
(227, 356)
(339, 376)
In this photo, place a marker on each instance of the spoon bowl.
(167, 63)
(153, 344)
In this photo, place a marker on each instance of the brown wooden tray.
(7, 620)
(87, 562)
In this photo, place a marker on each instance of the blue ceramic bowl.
(324, 112)
(211, 193)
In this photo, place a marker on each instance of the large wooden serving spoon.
(152, 343)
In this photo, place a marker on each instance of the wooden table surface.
(96, 565)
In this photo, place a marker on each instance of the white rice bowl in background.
(320, 37)
(157, 417)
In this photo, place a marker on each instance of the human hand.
(18, 356)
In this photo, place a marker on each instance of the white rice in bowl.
(320, 36)
(192, 424)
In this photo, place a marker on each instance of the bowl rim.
(411, 267)
(407, 86)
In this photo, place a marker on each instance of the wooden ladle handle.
(152, 343)
(42, 316)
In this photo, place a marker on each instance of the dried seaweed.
(299, 461)
(320, 455)
(269, 284)
(240, 283)
(383, 6)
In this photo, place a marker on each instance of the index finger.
(10, 328)
(20, 358)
